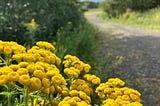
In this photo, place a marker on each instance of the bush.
(85, 5)
(49, 15)
(115, 8)
(79, 41)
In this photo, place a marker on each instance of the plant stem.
(9, 94)
(32, 101)
(9, 100)
(26, 96)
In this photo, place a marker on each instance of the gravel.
(141, 50)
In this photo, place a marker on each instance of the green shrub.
(115, 8)
(50, 15)
(82, 42)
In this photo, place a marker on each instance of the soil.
(141, 50)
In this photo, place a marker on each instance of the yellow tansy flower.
(24, 80)
(39, 74)
(46, 83)
(35, 84)
(13, 76)
(3, 79)
(22, 71)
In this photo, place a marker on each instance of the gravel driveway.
(141, 50)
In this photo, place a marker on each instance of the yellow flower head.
(3, 79)
(92, 79)
(116, 82)
(52, 89)
(29, 57)
(7, 50)
(32, 25)
(13, 76)
(24, 80)
(74, 93)
(58, 60)
(134, 98)
(46, 83)
(45, 45)
(65, 92)
(57, 80)
(46, 91)
(31, 68)
(39, 74)
(72, 72)
(14, 67)
(6, 70)
(35, 84)
(86, 68)
(23, 64)
(22, 71)
(18, 57)
(83, 95)
(82, 103)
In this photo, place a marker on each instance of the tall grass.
(149, 19)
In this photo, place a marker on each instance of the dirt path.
(141, 50)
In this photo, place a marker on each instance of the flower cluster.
(41, 52)
(35, 74)
(82, 85)
(76, 98)
(8, 48)
(113, 92)
(73, 61)
(92, 79)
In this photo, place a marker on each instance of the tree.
(49, 14)
(116, 7)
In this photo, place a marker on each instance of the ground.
(141, 50)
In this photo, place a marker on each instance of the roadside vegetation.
(145, 14)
